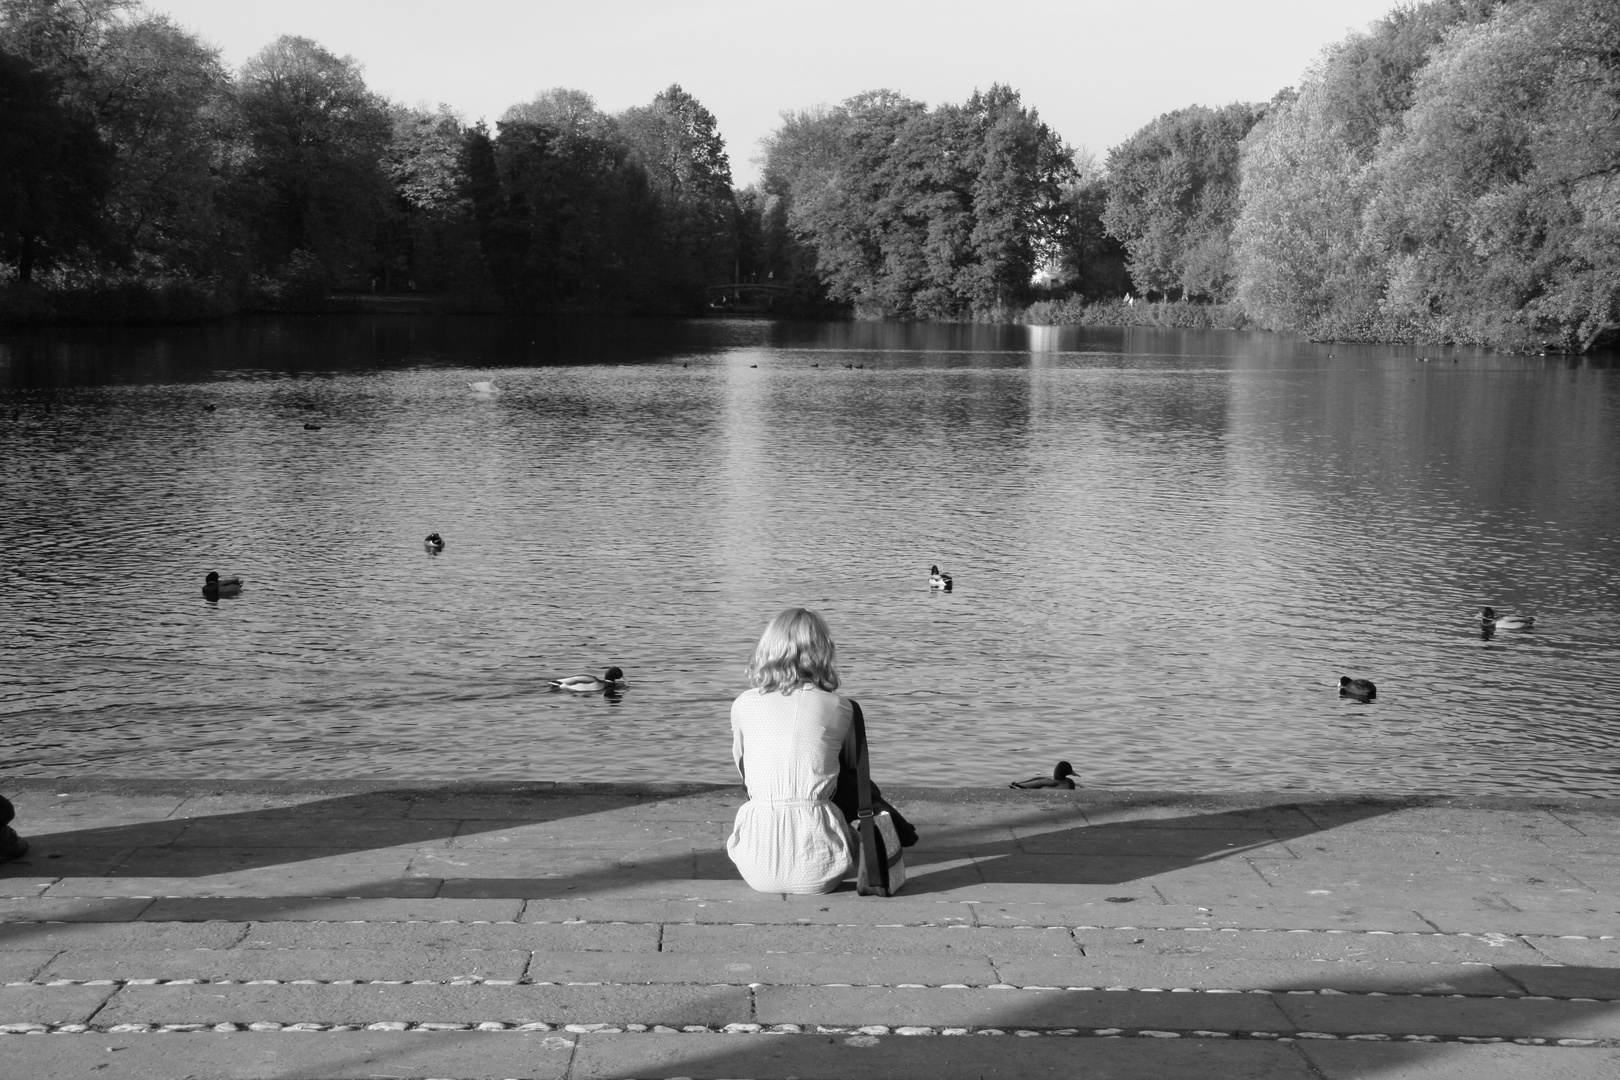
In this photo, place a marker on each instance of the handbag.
(880, 861)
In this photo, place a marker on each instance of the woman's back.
(790, 741)
(789, 837)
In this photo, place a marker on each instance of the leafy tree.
(1498, 202)
(54, 171)
(427, 238)
(316, 139)
(921, 213)
(676, 142)
(1172, 198)
(163, 102)
(1301, 256)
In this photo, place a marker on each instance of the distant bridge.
(744, 295)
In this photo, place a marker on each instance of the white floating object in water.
(486, 387)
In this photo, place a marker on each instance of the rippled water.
(1167, 546)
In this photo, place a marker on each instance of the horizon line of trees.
(1452, 173)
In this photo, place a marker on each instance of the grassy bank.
(1165, 313)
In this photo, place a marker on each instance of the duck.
(1489, 617)
(434, 543)
(312, 427)
(612, 679)
(938, 580)
(1360, 689)
(215, 586)
(487, 386)
(1059, 779)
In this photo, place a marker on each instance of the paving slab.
(608, 884)
(22, 888)
(288, 964)
(365, 1004)
(22, 965)
(330, 909)
(978, 1008)
(1572, 980)
(1259, 974)
(274, 1055)
(1123, 911)
(49, 1005)
(1459, 1061)
(744, 968)
(287, 881)
(518, 806)
(479, 834)
(1410, 948)
(1157, 843)
(71, 909)
(62, 859)
(1315, 913)
(202, 803)
(1079, 869)
(135, 935)
(571, 937)
(312, 831)
(869, 940)
(923, 1057)
(1591, 922)
(1481, 1017)
(1150, 813)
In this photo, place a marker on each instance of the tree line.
(129, 154)
(1451, 174)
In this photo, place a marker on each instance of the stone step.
(563, 1055)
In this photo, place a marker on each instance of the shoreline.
(116, 786)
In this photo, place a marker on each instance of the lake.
(1167, 547)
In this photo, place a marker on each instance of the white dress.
(789, 837)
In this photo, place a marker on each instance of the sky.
(1097, 70)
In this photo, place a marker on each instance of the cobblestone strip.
(1488, 936)
(476, 981)
(789, 1029)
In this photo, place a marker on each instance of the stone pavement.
(472, 931)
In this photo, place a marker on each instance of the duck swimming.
(1360, 689)
(937, 580)
(487, 386)
(1059, 778)
(434, 543)
(612, 679)
(1489, 617)
(215, 586)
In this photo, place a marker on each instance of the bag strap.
(863, 789)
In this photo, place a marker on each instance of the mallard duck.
(612, 679)
(215, 586)
(937, 580)
(434, 543)
(1059, 778)
(487, 386)
(1360, 689)
(1489, 617)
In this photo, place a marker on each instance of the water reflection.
(1166, 548)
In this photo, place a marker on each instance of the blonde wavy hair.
(796, 648)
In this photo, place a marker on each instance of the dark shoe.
(12, 846)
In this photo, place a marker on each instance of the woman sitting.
(789, 736)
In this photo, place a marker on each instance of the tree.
(163, 102)
(676, 142)
(920, 213)
(1301, 256)
(1173, 198)
(1498, 202)
(316, 139)
(54, 171)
